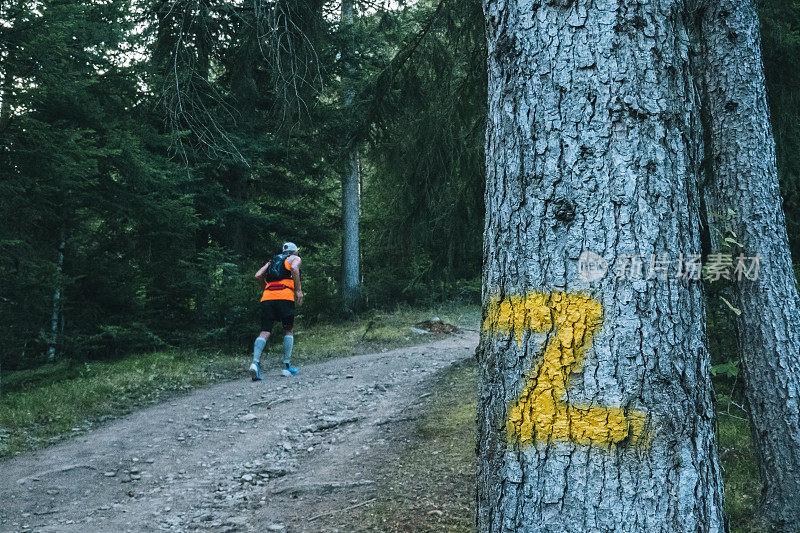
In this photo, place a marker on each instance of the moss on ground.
(429, 485)
(742, 483)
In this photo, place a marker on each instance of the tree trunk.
(351, 198)
(5, 117)
(351, 191)
(6, 90)
(203, 40)
(55, 316)
(742, 156)
(595, 409)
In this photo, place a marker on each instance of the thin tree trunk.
(55, 316)
(5, 116)
(6, 92)
(351, 191)
(351, 199)
(742, 156)
(595, 409)
(203, 41)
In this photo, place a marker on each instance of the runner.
(280, 278)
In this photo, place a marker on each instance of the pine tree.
(744, 183)
(351, 178)
(595, 409)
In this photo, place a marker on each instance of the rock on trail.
(276, 455)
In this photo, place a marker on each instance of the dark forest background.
(168, 148)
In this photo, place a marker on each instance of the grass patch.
(436, 471)
(373, 331)
(43, 405)
(97, 391)
(742, 482)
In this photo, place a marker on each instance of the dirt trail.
(277, 455)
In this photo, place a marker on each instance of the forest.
(154, 154)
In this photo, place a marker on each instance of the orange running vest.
(279, 290)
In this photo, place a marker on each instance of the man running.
(280, 278)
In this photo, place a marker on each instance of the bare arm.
(298, 292)
(261, 272)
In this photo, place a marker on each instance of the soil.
(437, 326)
(283, 454)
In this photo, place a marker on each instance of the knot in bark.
(559, 3)
(563, 209)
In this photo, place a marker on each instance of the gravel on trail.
(282, 454)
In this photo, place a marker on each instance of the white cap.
(289, 247)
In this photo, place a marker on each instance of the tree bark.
(351, 208)
(595, 409)
(6, 90)
(203, 40)
(5, 117)
(351, 190)
(744, 178)
(55, 316)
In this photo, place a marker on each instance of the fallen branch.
(732, 415)
(369, 326)
(35, 477)
(395, 420)
(330, 424)
(322, 488)
(341, 510)
(271, 403)
(50, 511)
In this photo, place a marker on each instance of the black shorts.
(272, 310)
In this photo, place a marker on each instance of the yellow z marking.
(540, 413)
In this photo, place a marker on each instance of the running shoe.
(289, 371)
(255, 371)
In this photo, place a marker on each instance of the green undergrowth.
(742, 483)
(44, 405)
(96, 391)
(374, 331)
(431, 488)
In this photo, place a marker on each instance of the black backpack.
(276, 270)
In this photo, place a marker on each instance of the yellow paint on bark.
(541, 413)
